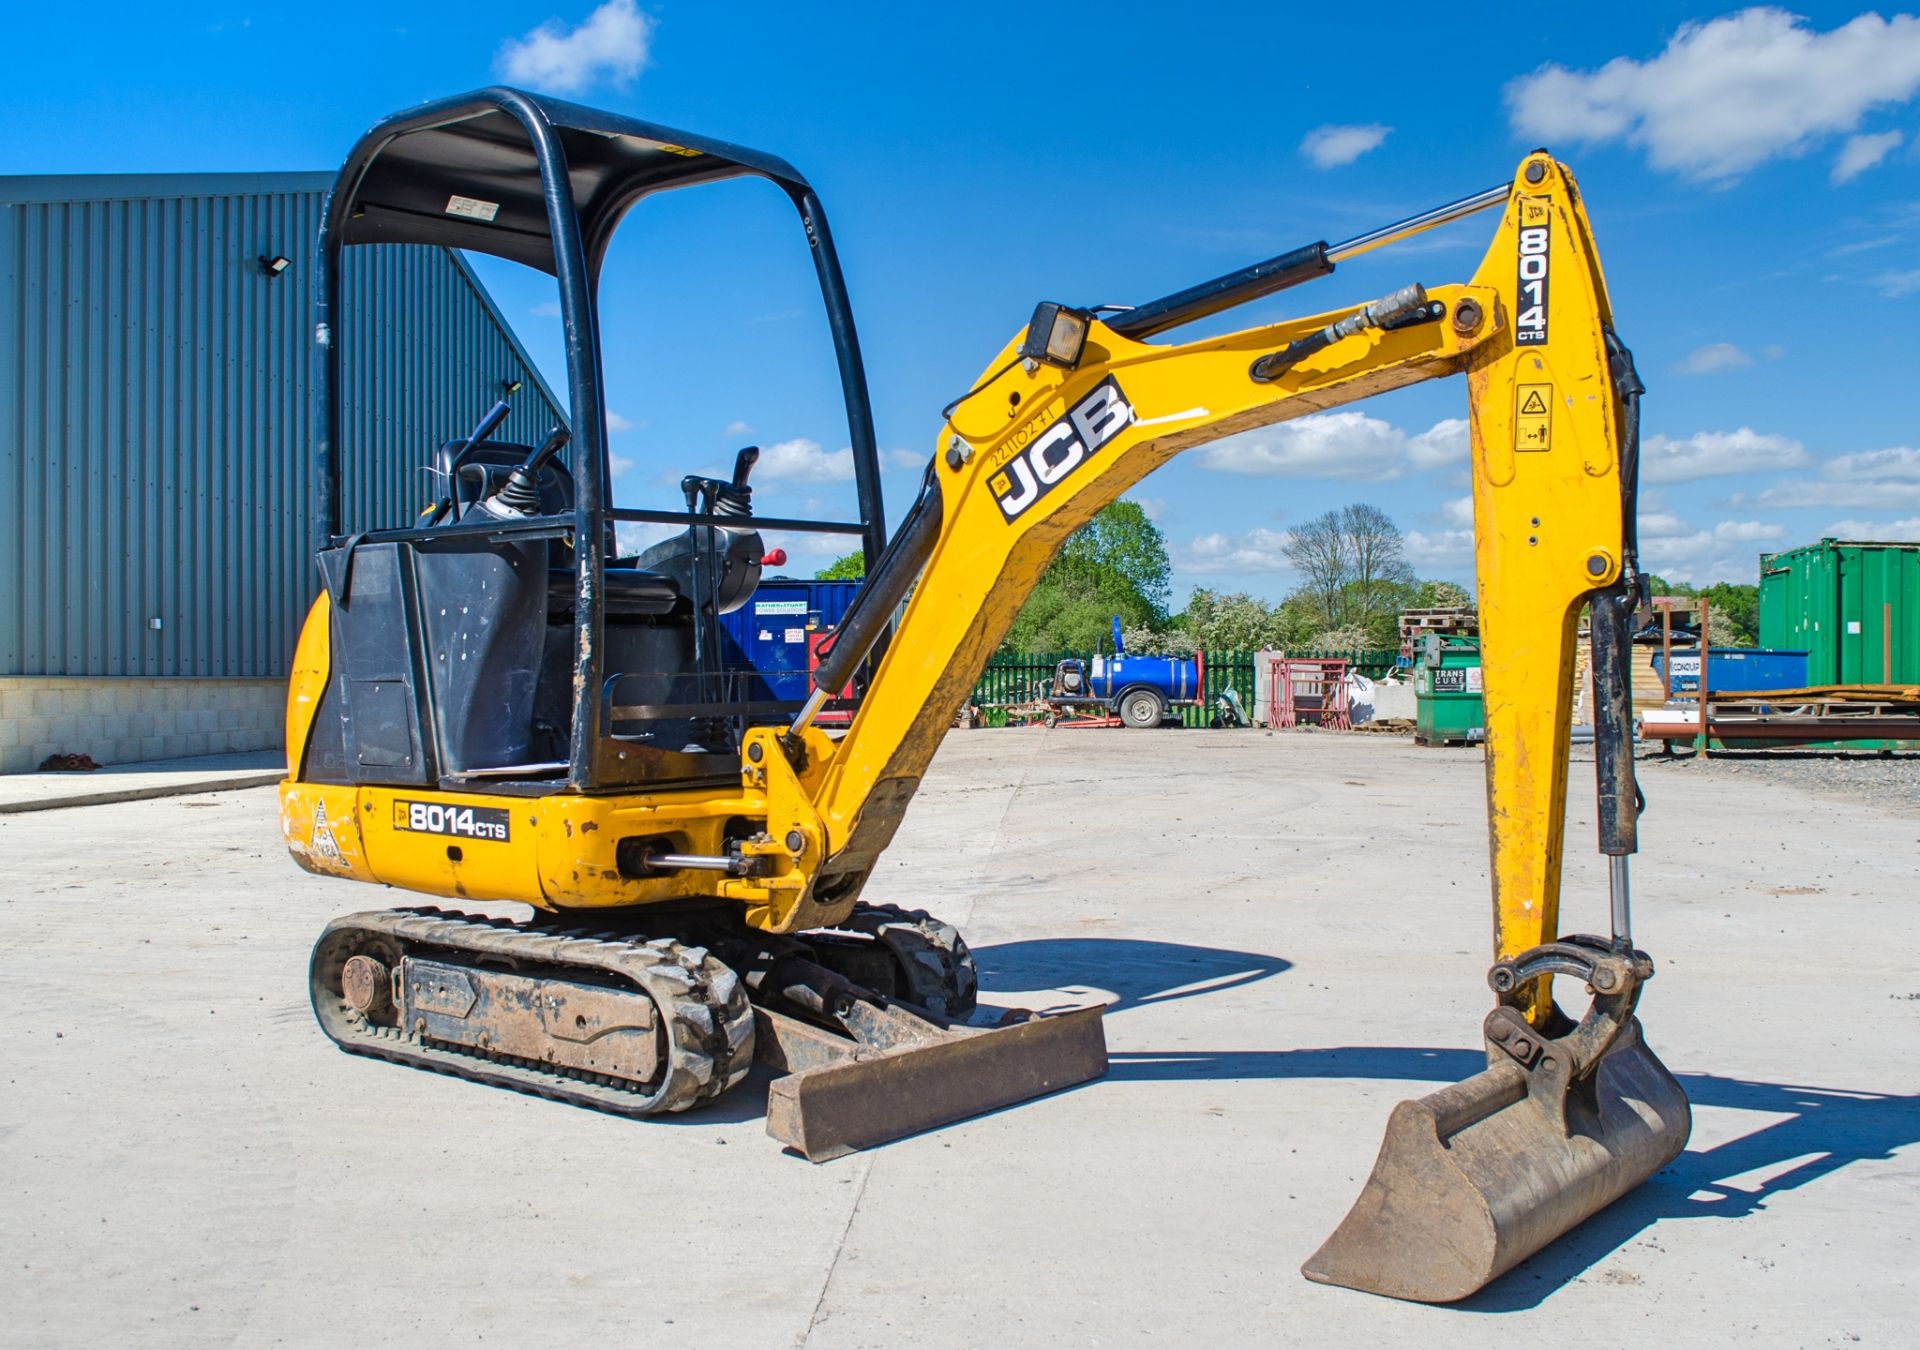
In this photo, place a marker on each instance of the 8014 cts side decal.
(461, 822)
(1067, 443)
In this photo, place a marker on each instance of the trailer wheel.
(1141, 708)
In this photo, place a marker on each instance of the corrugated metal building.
(155, 480)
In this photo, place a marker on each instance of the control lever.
(520, 494)
(488, 424)
(710, 496)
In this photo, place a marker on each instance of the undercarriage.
(645, 1020)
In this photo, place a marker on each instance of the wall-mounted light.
(273, 266)
(508, 388)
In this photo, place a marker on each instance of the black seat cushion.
(628, 591)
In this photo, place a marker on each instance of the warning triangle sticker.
(1533, 404)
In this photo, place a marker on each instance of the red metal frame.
(1311, 688)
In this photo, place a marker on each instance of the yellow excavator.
(490, 703)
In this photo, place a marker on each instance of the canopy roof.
(464, 173)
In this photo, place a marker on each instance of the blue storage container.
(767, 636)
(1736, 669)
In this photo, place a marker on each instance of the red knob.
(776, 557)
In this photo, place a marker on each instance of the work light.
(1056, 335)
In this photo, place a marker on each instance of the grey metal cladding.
(154, 456)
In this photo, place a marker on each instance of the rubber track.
(939, 967)
(709, 1020)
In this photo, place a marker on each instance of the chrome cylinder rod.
(691, 862)
(1618, 892)
(815, 702)
(1412, 225)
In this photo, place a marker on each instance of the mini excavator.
(489, 703)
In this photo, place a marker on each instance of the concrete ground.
(139, 780)
(1292, 929)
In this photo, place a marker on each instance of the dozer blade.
(841, 1097)
(1477, 1177)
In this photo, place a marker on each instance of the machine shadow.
(1135, 971)
(1824, 1130)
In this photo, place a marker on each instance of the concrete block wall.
(118, 721)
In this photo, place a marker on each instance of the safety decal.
(1536, 241)
(1533, 417)
(462, 822)
(320, 840)
(472, 208)
(1064, 446)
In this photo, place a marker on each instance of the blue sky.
(1753, 176)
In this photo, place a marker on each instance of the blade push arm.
(1036, 450)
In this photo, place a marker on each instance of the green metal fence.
(1015, 678)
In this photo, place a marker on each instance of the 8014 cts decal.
(1067, 443)
(462, 822)
(1530, 324)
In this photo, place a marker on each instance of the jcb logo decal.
(1061, 448)
(1530, 324)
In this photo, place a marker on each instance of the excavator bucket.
(1475, 1178)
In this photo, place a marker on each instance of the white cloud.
(1893, 285)
(1258, 550)
(822, 548)
(1347, 444)
(1887, 531)
(546, 309)
(737, 429)
(1662, 525)
(617, 423)
(802, 461)
(611, 45)
(1901, 462)
(1725, 552)
(1458, 512)
(1331, 146)
(1790, 493)
(1705, 454)
(1713, 358)
(902, 459)
(1155, 508)
(1730, 94)
(1870, 480)
(1440, 550)
(632, 536)
(618, 464)
(1861, 153)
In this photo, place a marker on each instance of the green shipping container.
(1449, 707)
(1854, 608)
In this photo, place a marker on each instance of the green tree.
(1353, 566)
(1739, 605)
(1441, 595)
(1122, 544)
(1240, 622)
(848, 567)
(1115, 564)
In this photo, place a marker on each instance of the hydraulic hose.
(867, 617)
